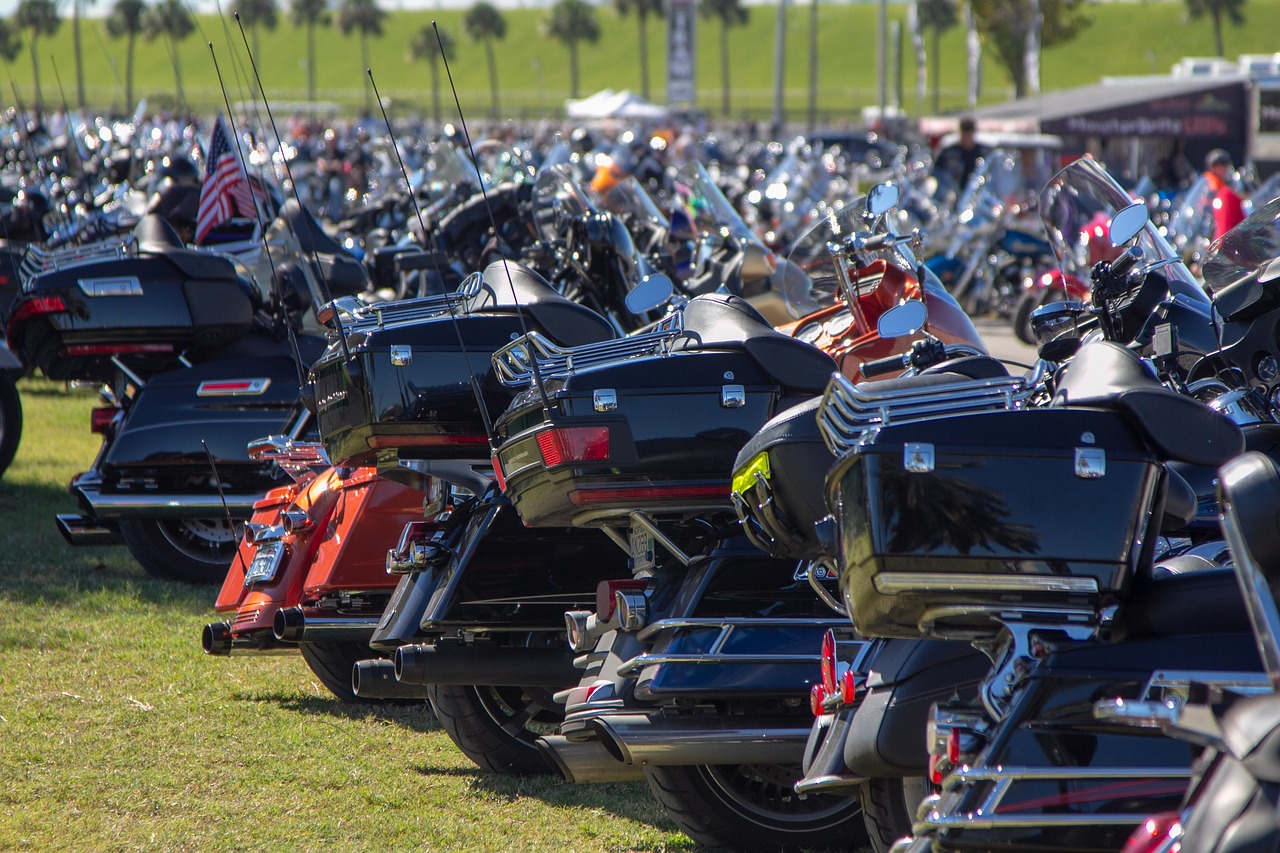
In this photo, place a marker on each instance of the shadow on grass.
(416, 717)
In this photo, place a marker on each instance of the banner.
(681, 86)
(975, 55)
(1031, 61)
(922, 58)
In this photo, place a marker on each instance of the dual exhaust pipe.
(290, 626)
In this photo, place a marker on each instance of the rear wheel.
(755, 807)
(10, 420)
(889, 807)
(498, 727)
(332, 664)
(191, 550)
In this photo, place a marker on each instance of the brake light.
(935, 770)
(559, 445)
(233, 387)
(606, 601)
(36, 307)
(621, 494)
(829, 662)
(848, 687)
(101, 417)
(816, 697)
(953, 747)
(114, 349)
(1155, 834)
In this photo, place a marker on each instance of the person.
(1228, 209)
(960, 158)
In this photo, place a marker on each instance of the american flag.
(225, 192)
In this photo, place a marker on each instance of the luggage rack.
(359, 314)
(716, 654)
(295, 458)
(513, 364)
(849, 414)
(36, 261)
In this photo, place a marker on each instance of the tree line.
(1003, 26)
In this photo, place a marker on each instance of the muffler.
(216, 639)
(81, 530)
(670, 741)
(376, 679)
(453, 663)
(585, 761)
(293, 625)
(88, 491)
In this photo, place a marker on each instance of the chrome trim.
(36, 260)
(892, 583)
(514, 363)
(124, 285)
(255, 386)
(266, 562)
(1091, 463)
(918, 457)
(356, 314)
(715, 655)
(733, 396)
(604, 400)
(154, 504)
(401, 355)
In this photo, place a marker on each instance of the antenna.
(493, 223)
(413, 198)
(315, 255)
(262, 225)
(217, 481)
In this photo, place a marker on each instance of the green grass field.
(533, 74)
(117, 733)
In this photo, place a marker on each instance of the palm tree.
(939, 16)
(40, 18)
(310, 14)
(126, 20)
(76, 11)
(485, 23)
(1216, 9)
(170, 20)
(426, 46)
(643, 9)
(255, 12)
(730, 13)
(365, 16)
(570, 22)
(10, 42)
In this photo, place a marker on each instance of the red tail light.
(100, 418)
(114, 349)
(816, 697)
(829, 662)
(36, 307)
(620, 494)
(377, 442)
(953, 747)
(1155, 835)
(848, 687)
(605, 600)
(574, 444)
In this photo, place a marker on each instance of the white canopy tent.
(610, 104)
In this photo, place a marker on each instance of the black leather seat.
(156, 236)
(509, 288)
(1174, 605)
(719, 321)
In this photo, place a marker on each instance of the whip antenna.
(315, 254)
(435, 259)
(226, 510)
(493, 223)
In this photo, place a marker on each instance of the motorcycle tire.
(889, 808)
(755, 807)
(497, 727)
(10, 421)
(332, 664)
(1030, 302)
(190, 550)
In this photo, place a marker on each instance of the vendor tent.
(610, 104)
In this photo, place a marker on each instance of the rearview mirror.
(902, 320)
(1127, 222)
(652, 291)
(882, 198)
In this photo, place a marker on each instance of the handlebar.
(881, 366)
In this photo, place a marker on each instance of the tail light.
(497, 471)
(100, 418)
(935, 771)
(816, 697)
(839, 678)
(115, 349)
(36, 307)
(849, 687)
(829, 662)
(574, 444)
(621, 494)
(1157, 834)
(607, 598)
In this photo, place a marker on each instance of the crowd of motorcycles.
(704, 476)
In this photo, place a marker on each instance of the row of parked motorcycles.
(769, 529)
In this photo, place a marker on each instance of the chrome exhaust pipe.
(585, 761)
(107, 505)
(376, 679)
(217, 640)
(453, 663)
(81, 530)
(659, 741)
(293, 625)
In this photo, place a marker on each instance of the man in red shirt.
(1228, 209)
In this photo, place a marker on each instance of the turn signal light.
(953, 747)
(100, 418)
(606, 594)
(848, 687)
(574, 444)
(935, 771)
(497, 471)
(36, 307)
(816, 697)
(829, 662)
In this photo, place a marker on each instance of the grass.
(1125, 38)
(116, 732)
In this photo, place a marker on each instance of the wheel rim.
(524, 714)
(765, 794)
(208, 540)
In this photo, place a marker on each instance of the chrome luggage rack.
(514, 363)
(716, 653)
(36, 261)
(849, 414)
(358, 314)
(295, 458)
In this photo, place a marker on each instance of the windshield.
(1076, 207)
(556, 199)
(445, 169)
(708, 209)
(1245, 249)
(637, 210)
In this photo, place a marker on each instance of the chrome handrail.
(36, 261)
(358, 314)
(514, 363)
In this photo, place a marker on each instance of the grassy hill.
(533, 73)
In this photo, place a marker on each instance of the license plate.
(265, 563)
(641, 549)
